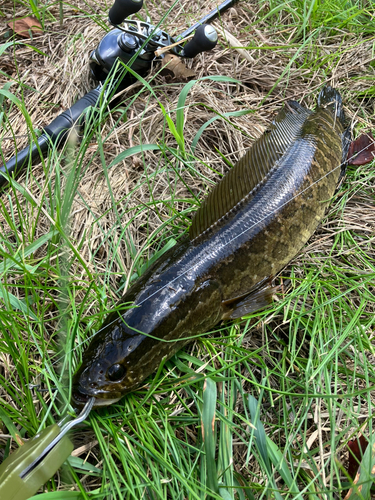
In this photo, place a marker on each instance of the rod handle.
(60, 127)
(14, 166)
(55, 133)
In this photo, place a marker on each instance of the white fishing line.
(227, 243)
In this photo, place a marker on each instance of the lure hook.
(28, 468)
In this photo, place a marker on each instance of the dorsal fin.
(251, 171)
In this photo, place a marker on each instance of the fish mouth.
(80, 398)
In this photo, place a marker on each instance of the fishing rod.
(131, 42)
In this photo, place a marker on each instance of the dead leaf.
(362, 150)
(19, 440)
(25, 25)
(176, 67)
(357, 448)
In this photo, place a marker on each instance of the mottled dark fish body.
(252, 224)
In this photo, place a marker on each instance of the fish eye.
(116, 372)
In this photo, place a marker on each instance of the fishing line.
(227, 243)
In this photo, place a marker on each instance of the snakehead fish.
(249, 227)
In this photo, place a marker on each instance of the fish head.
(107, 371)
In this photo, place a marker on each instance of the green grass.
(258, 408)
(329, 15)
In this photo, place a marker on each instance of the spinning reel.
(133, 43)
(140, 40)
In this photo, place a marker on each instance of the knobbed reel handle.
(205, 38)
(121, 9)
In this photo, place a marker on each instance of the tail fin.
(331, 99)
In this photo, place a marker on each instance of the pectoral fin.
(257, 298)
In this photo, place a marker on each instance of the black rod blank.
(207, 19)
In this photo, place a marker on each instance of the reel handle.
(205, 38)
(121, 9)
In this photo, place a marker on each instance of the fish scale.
(278, 194)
